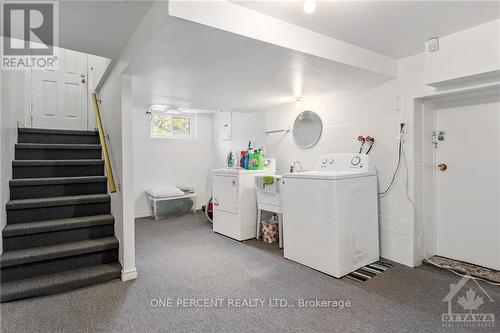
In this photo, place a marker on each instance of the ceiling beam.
(239, 20)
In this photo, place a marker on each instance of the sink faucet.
(295, 169)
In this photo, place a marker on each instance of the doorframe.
(424, 120)
(28, 99)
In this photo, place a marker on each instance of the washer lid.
(328, 175)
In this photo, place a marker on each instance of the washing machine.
(330, 214)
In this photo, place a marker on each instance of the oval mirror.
(307, 129)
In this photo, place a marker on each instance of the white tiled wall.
(244, 127)
(377, 112)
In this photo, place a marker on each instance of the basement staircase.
(60, 233)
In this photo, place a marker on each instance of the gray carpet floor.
(183, 258)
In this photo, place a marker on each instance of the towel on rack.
(268, 180)
(268, 184)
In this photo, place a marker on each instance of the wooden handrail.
(104, 145)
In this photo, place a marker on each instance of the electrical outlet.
(433, 44)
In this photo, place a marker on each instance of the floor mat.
(367, 272)
(466, 268)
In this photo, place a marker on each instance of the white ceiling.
(99, 27)
(393, 28)
(192, 65)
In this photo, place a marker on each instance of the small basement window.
(173, 126)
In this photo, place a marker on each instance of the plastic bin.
(168, 207)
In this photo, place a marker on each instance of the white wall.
(115, 113)
(14, 103)
(97, 66)
(374, 111)
(467, 55)
(244, 127)
(164, 162)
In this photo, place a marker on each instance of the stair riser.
(57, 138)
(57, 154)
(25, 271)
(56, 190)
(57, 212)
(57, 237)
(59, 288)
(20, 172)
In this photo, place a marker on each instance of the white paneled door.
(468, 184)
(60, 97)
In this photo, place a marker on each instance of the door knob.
(442, 167)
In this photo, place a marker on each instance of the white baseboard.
(129, 275)
(139, 215)
(142, 214)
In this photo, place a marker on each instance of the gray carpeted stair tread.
(60, 233)
(19, 229)
(60, 282)
(50, 168)
(57, 201)
(37, 254)
(56, 186)
(56, 146)
(55, 131)
(57, 162)
(56, 180)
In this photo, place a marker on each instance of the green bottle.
(229, 159)
(253, 162)
(260, 159)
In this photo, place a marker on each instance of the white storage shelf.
(269, 199)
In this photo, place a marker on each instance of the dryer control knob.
(355, 160)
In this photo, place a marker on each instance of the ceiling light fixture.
(166, 109)
(158, 108)
(309, 6)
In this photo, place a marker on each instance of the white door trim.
(425, 156)
(28, 102)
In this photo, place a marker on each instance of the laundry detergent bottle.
(260, 160)
(229, 159)
(253, 162)
(242, 158)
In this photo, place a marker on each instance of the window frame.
(193, 130)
